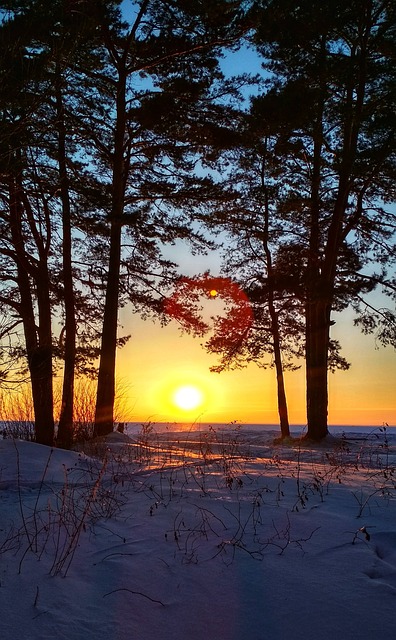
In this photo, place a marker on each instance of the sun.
(188, 397)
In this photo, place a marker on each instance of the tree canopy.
(120, 135)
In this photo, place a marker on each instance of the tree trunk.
(40, 366)
(274, 318)
(38, 346)
(317, 320)
(104, 414)
(281, 393)
(65, 428)
(41, 361)
(317, 349)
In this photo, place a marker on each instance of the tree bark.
(317, 349)
(322, 271)
(280, 380)
(317, 310)
(65, 428)
(38, 342)
(104, 414)
(274, 318)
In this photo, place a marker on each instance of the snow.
(200, 535)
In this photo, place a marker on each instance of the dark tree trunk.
(274, 318)
(322, 271)
(41, 360)
(38, 344)
(104, 415)
(40, 366)
(65, 429)
(317, 349)
(280, 380)
(317, 324)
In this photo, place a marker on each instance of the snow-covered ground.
(199, 535)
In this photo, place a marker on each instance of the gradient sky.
(156, 361)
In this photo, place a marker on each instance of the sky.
(158, 360)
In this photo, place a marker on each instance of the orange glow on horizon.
(157, 361)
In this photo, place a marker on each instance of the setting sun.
(187, 397)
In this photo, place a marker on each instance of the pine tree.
(332, 107)
(153, 141)
(26, 226)
(45, 43)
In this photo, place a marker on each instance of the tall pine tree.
(331, 105)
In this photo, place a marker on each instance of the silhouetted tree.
(161, 65)
(25, 222)
(331, 104)
(42, 46)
